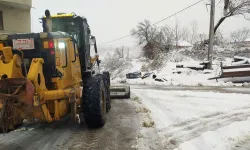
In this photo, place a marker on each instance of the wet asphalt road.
(119, 132)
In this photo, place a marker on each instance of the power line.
(178, 12)
(155, 22)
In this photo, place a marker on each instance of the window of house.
(1, 20)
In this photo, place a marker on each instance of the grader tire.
(106, 78)
(107, 74)
(94, 102)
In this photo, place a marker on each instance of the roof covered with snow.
(247, 40)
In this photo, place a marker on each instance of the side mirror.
(92, 40)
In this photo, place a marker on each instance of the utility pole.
(211, 35)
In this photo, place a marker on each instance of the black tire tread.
(106, 79)
(91, 102)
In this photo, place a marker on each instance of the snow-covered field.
(196, 120)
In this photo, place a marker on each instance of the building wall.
(21, 2)
(16, 16)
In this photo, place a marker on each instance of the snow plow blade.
(120, 92)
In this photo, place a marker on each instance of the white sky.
(111, 19)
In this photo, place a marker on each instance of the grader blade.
(120, 92)
(6, 116)
(12, 91)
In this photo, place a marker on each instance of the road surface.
(120, 132)
(184, 117)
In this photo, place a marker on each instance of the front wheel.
(94, 102)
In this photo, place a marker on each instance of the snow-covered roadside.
(191, 120)
(147, 137)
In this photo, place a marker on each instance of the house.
(246, 43)
(15, 16)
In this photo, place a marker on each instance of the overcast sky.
(111, 19)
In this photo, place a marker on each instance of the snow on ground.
(175, 76)
(221, 139)
(146, 138)
(194, 120)
(169, 72)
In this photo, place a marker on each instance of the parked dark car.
(146, 75)
(133, 75)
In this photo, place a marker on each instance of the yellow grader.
(49, 75)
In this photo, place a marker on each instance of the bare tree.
(128, 56)
(203, 37)
(144, 32)
(119, 52)
(219, 38)
(177, 32)
(194, 32)
(234, 8)
(148, 35)
(185, 34)
(113, 62)
(201, 43)
(150, 51)
(240, 35)
(165, 38)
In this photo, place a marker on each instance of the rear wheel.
(107, 74)
(106, 78)
(94, 102)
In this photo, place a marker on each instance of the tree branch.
(219, 23)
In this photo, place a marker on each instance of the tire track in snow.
(187, 130)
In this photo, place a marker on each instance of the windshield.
(66, 25)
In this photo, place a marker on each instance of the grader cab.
(49, 75)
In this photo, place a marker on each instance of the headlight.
(61, 45)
